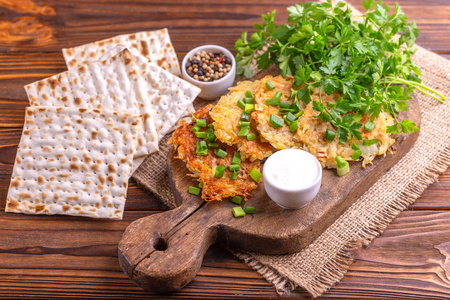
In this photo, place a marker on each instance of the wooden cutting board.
(163, 252)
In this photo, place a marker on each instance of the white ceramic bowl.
(301, 186)
(211, 90)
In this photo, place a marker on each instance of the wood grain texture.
(63, 257)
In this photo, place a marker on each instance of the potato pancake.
(226, 115)
(279, 138)
(203, 166)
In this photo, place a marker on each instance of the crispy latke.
(226, 115)
(203, 166)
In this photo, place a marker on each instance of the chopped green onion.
(211, 137)
(237, 199)
(245, 117)
(355, 147)
(210, 130)
(248, 108)
(276, 122)
(221, 153)
(284, 104)
(241, 104)
(244, 124)
(369, 126)
(342, 166)
(244, 131)
(356, 155)
(249, 100)
(284, 111)
(201, 148)
(270, 85)
(340, 161)
(249, 209)
(255, 174)
(234, 176)
(200, 185)
(236, 158)
(330, 135)
(290, 117)
(200, 122)
(211, 125)
(195, 128)
(251, 136)
(275, 100)
(233, 168)
(220, 170)
(297, 115)
(248, 94)
(200, 134)
(213, 145)
(357, 117)
(238, 212)
(294, 126)
(194, 191)
(370, 142)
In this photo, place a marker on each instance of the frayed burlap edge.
(335, 269)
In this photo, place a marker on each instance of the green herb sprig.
(321, 47)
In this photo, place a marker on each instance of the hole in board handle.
(160, 244)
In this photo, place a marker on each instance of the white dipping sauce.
(292, 177)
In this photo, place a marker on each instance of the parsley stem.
(416, 84)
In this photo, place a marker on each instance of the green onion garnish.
(275, 100)
(201, 148)
(340, 161)
(238, 212)
(245, 117)
(297, 115)
(213, 145)
(270, 85)
(200, 134)
(251, 136)
(370, 142)
(194, 191)
(235, 175)
(211, 137)
(200, 185)
(369, 126)
(244, 131)
(249, 209)
(255, 174)
(248, 94)
(342, 166)
(249, 100)
(241, 104)
(356, 155)
(244, 124)
(237, 199)
(290, 117)
(221, 153)
(233, 168)
(284, 104)
(248, 108)
(220, 170)
(236, 158)
(294, 126)
(276, 122)
(355, 147)
(200, 122)
(195, 128)
(330, 135)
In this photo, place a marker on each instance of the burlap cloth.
(325, 261)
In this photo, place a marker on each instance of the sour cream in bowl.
(292, 178)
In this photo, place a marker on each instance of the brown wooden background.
(55, 256)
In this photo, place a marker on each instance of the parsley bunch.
(321, 47)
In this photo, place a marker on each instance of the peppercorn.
(209, 66)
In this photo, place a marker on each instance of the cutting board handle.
(163, 252)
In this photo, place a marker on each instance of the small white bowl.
(211, 90)
(292, 178)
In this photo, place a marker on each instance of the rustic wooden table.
(56, 256)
